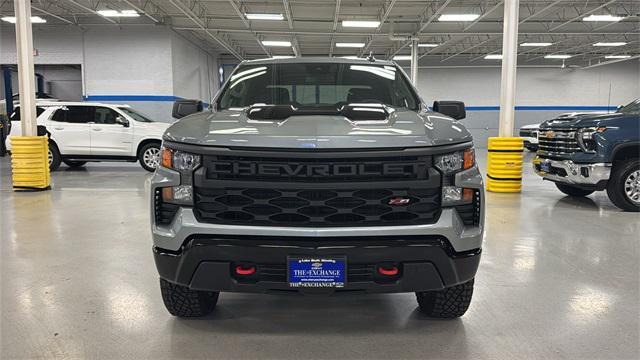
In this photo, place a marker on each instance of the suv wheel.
(623, 187)
(54, 157)
(573, 191)
(184, 302)
(149, 156)
(449, 303)
(74, 164)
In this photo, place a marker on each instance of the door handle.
(58, 128)
(96, 129)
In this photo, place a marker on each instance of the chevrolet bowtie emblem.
(549, 134)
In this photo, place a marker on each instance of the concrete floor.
(559, 278)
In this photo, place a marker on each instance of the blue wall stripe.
(172, 98)
(545, 108)
(131, 98)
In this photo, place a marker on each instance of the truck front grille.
(318, 190)
(317, 207)
(558, 142)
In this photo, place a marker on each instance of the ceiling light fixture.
(493, 57)
(282, 57)
(351, 57)
(536, 44)
(116, 13)
(264, 16)
(402, 57)
(620, 43)
(458, 17)
(428, 45)
(350, 45)
(602, 18)
(276, 43)
(34, 19)
(557, 56)
(361, 23)
(617, 56)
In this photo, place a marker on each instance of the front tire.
(54, 157)
(74, 164)
(449, 303)
(623, 187)
(149, 156)
(573, 191)
(183, 302)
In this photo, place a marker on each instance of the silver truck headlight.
(185, 163)
(587, 137)
(456, 161)
(450, 164)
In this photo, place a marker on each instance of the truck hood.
(581, 120)
(403, 128)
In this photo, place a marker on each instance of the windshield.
(135, 115)
(317, 85)
(632, 107)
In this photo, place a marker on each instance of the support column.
(29, 152)
(504, 173)
(509, 64)
(414, 62)
(26, 73)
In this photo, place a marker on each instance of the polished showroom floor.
(559, 278)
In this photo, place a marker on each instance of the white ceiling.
(314, 26)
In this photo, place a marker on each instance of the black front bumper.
(206, 262)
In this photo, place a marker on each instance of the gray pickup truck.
(317, 176)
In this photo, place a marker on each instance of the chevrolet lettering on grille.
(247, 168)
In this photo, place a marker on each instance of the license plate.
(545, 166)
(317, 272)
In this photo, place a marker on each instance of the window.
(74, 114)
(105, 116)
(135, 115)
(16, 113)
(317, 85)
(632, 107)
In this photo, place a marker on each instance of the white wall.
(536, 87)
(195, 74)
(144, 66)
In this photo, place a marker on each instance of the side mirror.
(122, 121)
(620, 107)
(454, 109)
(182, 108)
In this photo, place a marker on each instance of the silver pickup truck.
(317, 176)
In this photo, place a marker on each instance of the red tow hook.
(245, 270)
(388, 270)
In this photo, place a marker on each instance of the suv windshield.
(317, 85)
(632, 107)
(135, 115)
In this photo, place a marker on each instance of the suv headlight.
(449, 164)
(587, 137)
(185, 163)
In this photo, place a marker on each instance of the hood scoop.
(369, 112)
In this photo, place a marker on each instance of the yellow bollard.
(30, 162)
(504, 162)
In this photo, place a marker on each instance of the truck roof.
(334, 60)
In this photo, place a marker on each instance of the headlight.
(454, 162)
(179, 160)
(185, 163)
(586, 137)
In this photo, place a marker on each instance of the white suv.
(80, 132)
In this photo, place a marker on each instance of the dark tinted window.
(317, 85)
(16, 113)
(105, 116)
(74, 114)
